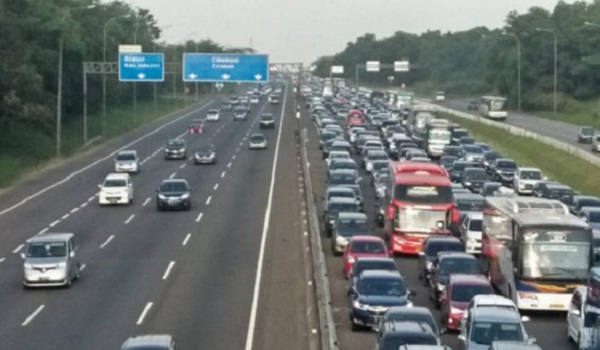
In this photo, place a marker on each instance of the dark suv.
(174, 194)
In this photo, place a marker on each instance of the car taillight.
(455, 216)
(390, 212)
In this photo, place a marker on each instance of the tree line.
(483, 60)
(29, 39)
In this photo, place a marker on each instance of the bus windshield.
(423, 194)
(498, 105)
(420, 220)
(556, 254)
(440, 135)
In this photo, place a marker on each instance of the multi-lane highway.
(548, 328)
(557, 130)
(228, 274)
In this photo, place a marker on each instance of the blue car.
(375, 292)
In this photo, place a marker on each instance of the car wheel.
(77, 272)
(354, 326)
(68, 282)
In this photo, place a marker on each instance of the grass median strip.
(556, 164)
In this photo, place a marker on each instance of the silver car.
(150, 341)
(127, 162)
(50, 260)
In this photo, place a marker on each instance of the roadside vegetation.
(30, 32)
(557, 165)
(484, 61)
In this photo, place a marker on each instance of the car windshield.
(470, 204)
(476, 225)
(342, 179)
(377, 156)
(487, 332)
(507, 165)
(460, 166)
(175, 144)
(475, 175)
(174, 186)
(490, 189)
(382, 286)
(343, 194)
(393, 342)
(591, 202)
(491, 156)
(125, 157)
(531, 175)
(423, 194)
(361, 266)
(213, 111)
(257, 138)
(473, 149)
(557, 193)
(340, 207)
(266, 117)
(46, 249)
(349, 226)
(206, 148)
(460, 133)
(240, 109)
(594, 216)
(414, 317)
(434, 248)
(463, 293)
(447, 161)
(341, 164)
(588, 131)
(461, 265)
(115, 183)
(362, 247)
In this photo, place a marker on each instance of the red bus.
(418, 205)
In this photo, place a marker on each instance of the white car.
(575, 314)
(117, 188)
(337, 155)
(526, 178)
(440, 96)
(257, 141)
(212, 115)
(254, 99)
(127, 162)
(471, 226)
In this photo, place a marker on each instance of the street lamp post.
(518, 66)
(103, 73)
(155, 84)
(597, 26)
(555, 62)
(137, 26)
(187, 37)
(59, 87)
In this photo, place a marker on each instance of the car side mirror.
(72, 254)
(99, 186)
(22, 255)
(422, 253)
(531, 341)
(525, 319)
(545, 178)
(576, 312)
(462, 337)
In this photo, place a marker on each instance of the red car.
(459, 291)
(196, 126)
(363, 246)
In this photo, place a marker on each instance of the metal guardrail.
(575, 151)
(329, 340)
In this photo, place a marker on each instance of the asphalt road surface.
(548, 328)
(557, 130)
(192, 274)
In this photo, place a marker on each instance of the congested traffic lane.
(129, 270)
(548, 328)
(557, 130)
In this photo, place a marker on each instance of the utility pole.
(555, 63)
(518, 67)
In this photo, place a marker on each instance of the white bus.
(534, 251)
(493, 107)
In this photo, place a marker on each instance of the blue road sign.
(141, 67)
(204, 67)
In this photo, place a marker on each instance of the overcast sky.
(303, 30)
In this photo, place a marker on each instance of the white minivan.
(117, 188)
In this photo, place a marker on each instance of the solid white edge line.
(129, 219)
(107, 241)
(208, 200)
(143, 315)
(109, 156)
(17, 249)
(263, 241)
(168, 271)
(33, 315)
(186, 239)
(146, 201)
(199, 217)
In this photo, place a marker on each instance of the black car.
(466, 140)
(347, 225)
(396, 334)
(448, 263)
(474, 178)
(417, 314)
(335, 206)
(326, 136)
(174, 194)
(469, 202)
(585, 134)
(554, 190)
(206, 154)
(342, 177)
(226, 106)
(503, 170)
(454, 151)
(488, 160)
(175, 149)
(457, 134)
(429, 252)
(458, 168)
(267, 120)
(447, 161)
(369, 263)
(580, 201)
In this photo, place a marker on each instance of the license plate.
(43, 279)
(557, 306)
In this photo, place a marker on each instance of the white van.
(117, 188)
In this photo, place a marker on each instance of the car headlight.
(331, 222)
(409, 304)
(467, 183)
(185, 196)
(351, 260)
(62, 265)
(440, 287)
(162, 196)
(429, 265)
(341, 240)
(28, 266)
(455, 311)
(358, 305)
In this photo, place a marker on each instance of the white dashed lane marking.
(144, 313)
(182, 166)
(43, 231)
(168, 271)
(33, 315)
(2, 259)
(65, 216)
(216, 186)
(208, 200)
(18, 249)
(185, 241)
(107, 241)
(146, 201)
(54, 223)
(74, 210)
(199, 217)
(172, 175)
(129, 219)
